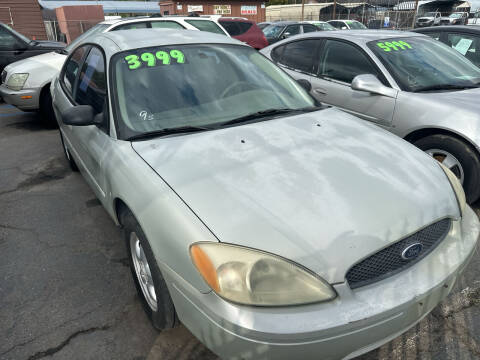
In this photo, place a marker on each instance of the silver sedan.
(409, 84)
(268, 226)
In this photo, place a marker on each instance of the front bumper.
(352, 324)
(14, 98)
(423, 24)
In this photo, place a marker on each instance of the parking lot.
(66, 290)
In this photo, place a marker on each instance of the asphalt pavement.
(66, 291)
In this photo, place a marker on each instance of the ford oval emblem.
(412, 251)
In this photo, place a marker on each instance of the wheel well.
(119, 207)
(45, 88)
(421, 133)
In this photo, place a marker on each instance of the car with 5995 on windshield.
(407, 83)
(243, 203)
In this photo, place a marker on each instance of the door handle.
(320, 91)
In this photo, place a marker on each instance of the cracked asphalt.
(66, 290)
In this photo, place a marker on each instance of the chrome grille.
(389, 261)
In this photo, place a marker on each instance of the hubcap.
(449, 161)
(142, 271)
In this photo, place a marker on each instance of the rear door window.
(342, 61)
(309, 28)
(293, 30)
(205, 25)
(299, 55)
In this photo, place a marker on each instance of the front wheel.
(148, 279)
(459, 157)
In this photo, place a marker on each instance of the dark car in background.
(264, 24)
(464, 39)
(15, 46)
(244, 30)
(284, 29)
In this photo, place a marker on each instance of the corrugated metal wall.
(26, 17)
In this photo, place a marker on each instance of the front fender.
(168, 223)
(414, 112)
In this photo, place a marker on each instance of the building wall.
(182, 7)
(26, 17)
(75, 20)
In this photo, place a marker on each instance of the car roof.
(140, 38)
(152, 18)
(361, 36)
(462, 28)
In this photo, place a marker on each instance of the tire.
(162, 315)
(461, 151)
(68, 156)
(46, 109)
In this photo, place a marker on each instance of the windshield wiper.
(266, 113)
(168, 131)
(446, 87)
(62, 51)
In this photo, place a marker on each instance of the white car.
(474, 18)
(347, 24)
(26, 83)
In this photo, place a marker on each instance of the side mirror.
(370, 83)
(305, 84)
(343, 28)
(81, 115)
(286, 35)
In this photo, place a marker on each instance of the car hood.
(50, 44)
(322, 189)
(44, 62)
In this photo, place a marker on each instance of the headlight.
(457, 187)
(16, 81)
(253, 277)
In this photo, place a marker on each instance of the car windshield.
(192, 85)
(272, 31)
(429, 14)
(23, 37)
(355, 25)
(324, 26)
(92, 31)
(421, 63)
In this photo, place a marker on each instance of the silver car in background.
(271, 228)
(409, 84)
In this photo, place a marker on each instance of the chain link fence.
(374, 14)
